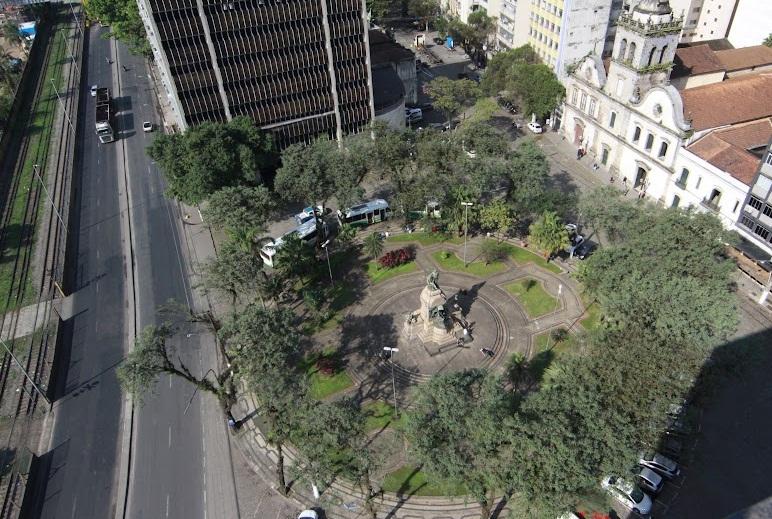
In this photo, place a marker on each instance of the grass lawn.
(378, 274)
(320, 385)
(520, 256)
(532, 296)
(591, 320)
(342, 295)
(412, 481)
(17, 237)
(477, 268)
(380, 415)
(425, 238)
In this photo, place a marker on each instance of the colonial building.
(699, 147)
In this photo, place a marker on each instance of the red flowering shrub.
(396, 258)
(326, 365)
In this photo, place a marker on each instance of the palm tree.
(374, 245)
(549, 234)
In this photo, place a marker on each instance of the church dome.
(653, 7)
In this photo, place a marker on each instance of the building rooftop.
(745, 57)
(728, 148)
(737, 100)
(693, 61)
(719, 44)
(384, 50)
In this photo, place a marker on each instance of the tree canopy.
(241, 207)
(451, 95)
(211, 156)
(549, 234)
(125, 23)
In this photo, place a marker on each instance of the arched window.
(651, 55)
(637, 134)
(622, 49)
(631, 55)
(662, 53)
(662, 150)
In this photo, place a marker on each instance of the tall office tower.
(299, 68)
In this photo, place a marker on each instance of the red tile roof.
(693, 61)
(737, 100)
(727, 149)
(745, 57)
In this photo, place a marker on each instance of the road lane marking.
(167, 505)
(74, 506)
(170, 436)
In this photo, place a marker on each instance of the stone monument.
(433, 322)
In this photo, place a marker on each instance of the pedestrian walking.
(125, 68)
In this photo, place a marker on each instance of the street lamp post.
(327, 252)
(66, 113)
(392, 351)
(466, 205)
(50, 200)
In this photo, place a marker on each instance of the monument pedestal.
(421, 325)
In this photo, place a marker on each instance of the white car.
(414, 115)
(649, 480)
(308, 514)
(535, 127)
(660, 464)
(93, 90)
(628, 494)
(147, 126)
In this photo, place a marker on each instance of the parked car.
(306, 215)
(535, 127)
(147, 126)
(660, 464)
(308, 514)
(438, 41)
(413, 115)
(424, 107)
(649, 481)
(628, 494)
(584, 250)
(93, 90)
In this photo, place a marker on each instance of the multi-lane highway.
(166, 458)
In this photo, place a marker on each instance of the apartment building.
(298, 68)
(704, 19)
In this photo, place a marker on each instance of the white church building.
(698, 148)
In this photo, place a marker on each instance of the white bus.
(366, 213)
(306, 232)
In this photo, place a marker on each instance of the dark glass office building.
(297, 67)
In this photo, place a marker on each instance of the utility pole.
(325, 246)
(66, 113)
(392, 351)
(466, 225)
(26, 375)
(48, 195)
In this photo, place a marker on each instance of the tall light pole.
(327, 252)
(66, 114)
(392, 351)
(50, 200)
(466, 205)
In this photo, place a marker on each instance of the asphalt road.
(173, 430)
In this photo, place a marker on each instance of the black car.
(584, 250)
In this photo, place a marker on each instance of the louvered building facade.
(297, 67)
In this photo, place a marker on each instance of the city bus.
(306, 232)
(366, 213)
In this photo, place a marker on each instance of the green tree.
(664, 279)
(498, 72)
(374, 245)
(423, 9)
(484, 139)
(383, 8)
(479, 28)
(211, 156)
(538, 88)
(768, 40)
(264, 346)
(11, 32)
(549, 234)
(496, 216)
(234, 271)
(528, 170)
(455, 430)
(295, 260)
(125, 23)
(609, 214)
(451, 95)
(153, 354)
(241, 207)
(492, 250)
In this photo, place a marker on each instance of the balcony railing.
(710, 204)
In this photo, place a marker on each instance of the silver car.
(649, 480)
(628, 494)
(660, 464)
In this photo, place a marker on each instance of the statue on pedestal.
(432, 281)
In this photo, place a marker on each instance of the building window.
(649, 142)
(574, 96)
(604, 155)
(631, 54)
(612, 119)
(623, 49)
(747, 222)
(681, 182)
(583, 102)
(651, 55)
(637, 134)
(755, 203)
(699, 181)
(662, 53)
(768, 159)
(662, 150)
(768, 210)
(715, 198)
(761, 231)
(676, 201)
(736, 205)
(592, 106)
